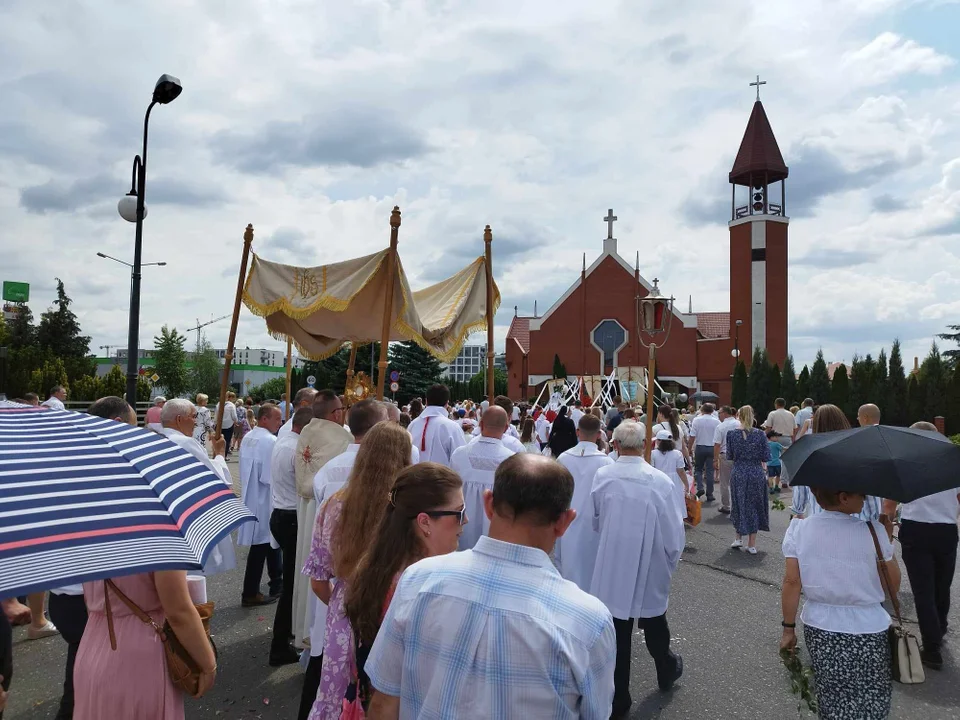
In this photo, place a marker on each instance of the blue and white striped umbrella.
(83, 498)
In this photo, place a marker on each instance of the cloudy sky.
(311, 120)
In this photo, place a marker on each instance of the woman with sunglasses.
(424, 517)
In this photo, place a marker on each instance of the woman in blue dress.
(750, 511)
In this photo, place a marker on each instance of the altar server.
(434, 434)
(576, 550)
(256, 450)
(476, 464)
(641, 538)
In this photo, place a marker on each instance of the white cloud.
(888, 56)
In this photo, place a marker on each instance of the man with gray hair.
(58, 394)
(641, 538)
(303, 399)
(179, 417)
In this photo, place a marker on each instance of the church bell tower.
(758, 241)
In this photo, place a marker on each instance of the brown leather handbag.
(183, 670)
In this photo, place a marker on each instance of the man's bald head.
(393, 412)
(868, 414)
(304, 397)
(533, 488)
(494, 422)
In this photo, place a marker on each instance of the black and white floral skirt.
(852, 673)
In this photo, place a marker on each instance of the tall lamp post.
(132, 209)
(736, 342)
(655, 316)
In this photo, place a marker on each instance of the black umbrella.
(704, 396)
(889, 462)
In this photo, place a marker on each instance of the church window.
(609, 336)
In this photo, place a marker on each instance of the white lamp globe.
(733, 353)
(127, 207)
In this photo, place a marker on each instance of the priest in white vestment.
(641, 538)
(476, 465)
(576, 550)
(256, 451)
(179, 419)
(434, 434)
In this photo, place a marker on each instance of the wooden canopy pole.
(388, 303)
(289, 377)
(488, 252)
(228, 355)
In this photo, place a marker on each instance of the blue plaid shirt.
(494, 632)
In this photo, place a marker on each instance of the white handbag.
(904, 647)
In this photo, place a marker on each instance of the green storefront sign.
(16, 291)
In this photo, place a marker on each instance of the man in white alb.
(702, 431)
(256, 452)
(721, 465)
(511, 438)
(576, 552)
(476, 464)
(303, 399)
(641, 538)
(434, 434)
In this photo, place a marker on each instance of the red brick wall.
(741, 302)
(777, 292)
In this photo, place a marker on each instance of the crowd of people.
(490, 559)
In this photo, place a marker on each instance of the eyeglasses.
(444, 513)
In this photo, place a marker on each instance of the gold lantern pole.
(652, 325)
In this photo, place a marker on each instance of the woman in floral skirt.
(750, 509)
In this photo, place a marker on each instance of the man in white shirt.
(803, 414)
(303, 399)
(641, 538)
(542, 427)
(507, 636)
(58, 394)
(256, 453)
(702, 431)
(576, 413)
(781, 421)
(179, 418)
(721, 465)
(361, 417)
(434, 434)
(229, 419)
(576, 551)
(476, 464)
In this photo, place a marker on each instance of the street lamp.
(123, 262)
(735, 353)
(132, 209)
(654, 317)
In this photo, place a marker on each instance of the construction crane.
(108, 348)
(201, 325)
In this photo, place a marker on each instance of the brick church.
(592, 327)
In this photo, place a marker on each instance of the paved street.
(724, 616)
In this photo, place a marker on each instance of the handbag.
(183, 670)
(904, 647)
(693, 509)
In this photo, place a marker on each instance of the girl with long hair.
(528, 436)
(344, 530)
(423, 517)
(669, 419)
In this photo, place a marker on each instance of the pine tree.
(559, 369)
(896, 406)
(788, 383)
(878, 392)
(803, 385)
(418, 370)
(206, 373)
(171, 359)
(819, 380)
(775, 381)
(22, 333)
(840, 389)
(934, 383)
(739, 390)
(754, 378)
(951, 356)
(915, 401)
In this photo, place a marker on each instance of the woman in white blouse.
(831, 557)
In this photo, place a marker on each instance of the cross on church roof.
(757, 84)
(610, 219)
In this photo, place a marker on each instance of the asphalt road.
(724, 618)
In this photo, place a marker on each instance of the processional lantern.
(656, 311)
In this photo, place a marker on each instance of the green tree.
(59, 334)
(113, 383)
(788, 383)
(934, 383)
(272, 389)
(559, 370)
(896, 410)
(760, 383)
(803, 385)
(86, 388)
(950, 356)
(171, 361)
(206, 372)
(22, 333)
(840, 389)
(819, 380)
(50, 373)
(878, 390)
(915, 401)
(776, 378)
(418, 370)
(738, 395)
(858, 387)
(331, 372)
(477, 385)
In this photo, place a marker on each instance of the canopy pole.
(289, 376)
(651, 374)
(488, 251)
(352, 361)
(388, 303)
(228, 355)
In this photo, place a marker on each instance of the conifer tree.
(896, 410)
(819, 380)
(788, 383)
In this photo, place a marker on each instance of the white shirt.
(703, 429)
(668, 463)
(515, 414)
(285, 429)
(838, 572)
(435, 435)
(941, 507)
(476, 464)
(334, 474)
(542, 427)
(575, 415)
(509, 441)
(576, 551)
(283, 473)
(781, 421)
(511, 431)
(802, 415)
(53, 403)
(666, 426)
(641, 538)
(256, 451)
(720, 434)
(229, 414)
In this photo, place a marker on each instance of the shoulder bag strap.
(134, 608)
(884, 575)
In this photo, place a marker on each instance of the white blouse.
(942, 507)
(838, 571)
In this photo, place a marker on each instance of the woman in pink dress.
(132, 681)
(345, 528)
